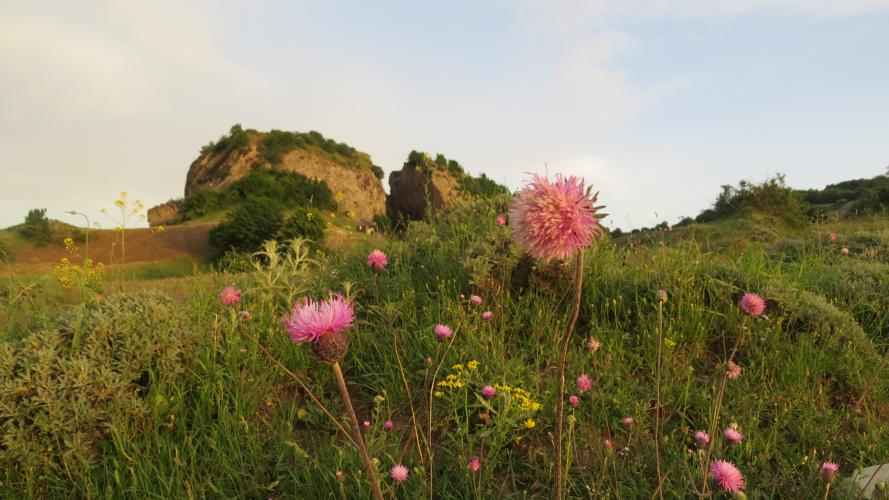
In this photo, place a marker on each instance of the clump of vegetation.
(771, 197)
(258, 219)
(422, 160)
(4, 253)
(37, 227)
(863, 196)
(482, 186)
(276, 143)
(237, 139)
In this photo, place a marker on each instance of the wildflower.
(829, 471)
(487, 315)
(845, 251)
(339, 475)
(530, 423)
(488, 391)
(438, 394)
(832, 236)
(669, 342)
(573, 400)
(662, 295)
(584, 384)
(553, 220)
(475, 300)
(377, 260)
(593, 345)
(398, 473)
(501, 219)
(628, 420)
(378, 400)
(475, 464)
(311, 320)
(733, 371)
(753, 304)
(727, 476)
(245, 314)
(230, 295)
(443, 331)
(607, 442)
(367, 424)
(732, 435)
(388, 425)
(702, 439)
(472, 364)
(462, 296)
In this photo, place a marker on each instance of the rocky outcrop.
(415, 190)
(165, 213)
(360, 191)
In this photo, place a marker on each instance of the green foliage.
(236, 139)
(36, 227)
(481, 186)
(201, 203)
(383, 223)
(275, 144)
(771, 197)
(378, 171)
(304, 223)
(69, 392)
(423, 161)
(249, 225)
(4, 254)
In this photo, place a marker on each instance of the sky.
(656, 103)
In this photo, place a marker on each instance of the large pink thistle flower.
(398, 473)
(753, 304)
(553, 220)
(584, 383)
(229, 296)
(310, 320)
(727, 476)
(377, 260)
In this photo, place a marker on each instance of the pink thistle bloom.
(398, 473)
(584, 384)
(367, 424)
(702, 439)
(487, 315)
(732, 371)
(245, 314)
(829, 470)
(573, 400)
(488, 391)
(628, 420)
(845, 251)
(607, 443)
(475, 300)
(732, 435)
(310, 320)
(501, 219)
(833, 236)
(389, 425)
(753, 304)
(443, 331)
(339, 474)
(475, 464)
(230, 296)
(553, 220)
(377, 260)
(727, 476)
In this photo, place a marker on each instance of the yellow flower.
(69, 242)
(473, 364)
(438, 394)
(310, 215)
(530, 423)
(457, 367)
(351, 214)
(669, 342)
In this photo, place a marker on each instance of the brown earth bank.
(141, 245)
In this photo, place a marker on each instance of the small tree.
(36, 227)
(249, 225)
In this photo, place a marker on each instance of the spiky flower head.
(553, 220)
(230, 296)
(389, 425)
(829, 471)
(377, 260)
(245, 315)
(475, 464)
(832, 236)
(573, 400)
(398, 473)
(726, 476)
(702, 439)
(584, 384)
(487, 315)
(732, 370)
(443, 331)
(475, 300)
(628, 420)
(732, 435)
(501, 219)
(844, 251)
(488, 391)
(310, 321)
(662, 295)
(753, 304)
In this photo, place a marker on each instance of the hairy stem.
(657, 393)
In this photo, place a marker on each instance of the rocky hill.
(349, 173)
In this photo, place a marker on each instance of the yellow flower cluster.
(72, 274)
(458, 379)
(524, 398)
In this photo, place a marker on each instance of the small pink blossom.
(753, 304)
(501, 219)
(732, 370)
(726, 476)
(832, 236)
(398, 473)
(607, 443)
(488, 391)
(845, 251)
(628, 420)
(475, 300)
(732, 435)
(377, 260)
(245, 314)
(367, 424)
(339, 475)
(487, 315)
(443, 331)
(573, 400)
(702, 439)
(829, 471)
(389, 425)
(584, 384)
(230, 296)
(475, 464)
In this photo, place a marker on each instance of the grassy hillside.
(174, 397)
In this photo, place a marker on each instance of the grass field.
(157, 390)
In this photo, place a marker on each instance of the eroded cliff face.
(362, 192)
(165, 213)
(414, 191)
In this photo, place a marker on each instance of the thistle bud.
(330, 348)
(662, 296)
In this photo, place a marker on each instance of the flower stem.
(563, 353)
(657, 390)
(359, 440)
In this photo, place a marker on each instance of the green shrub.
(378, 171)
(248, 225)
(4, 253)
(304, 223)
(201, 203)
(771, 197)
(65, 391)
(481, 186)
(36, 227)
(236, 139)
